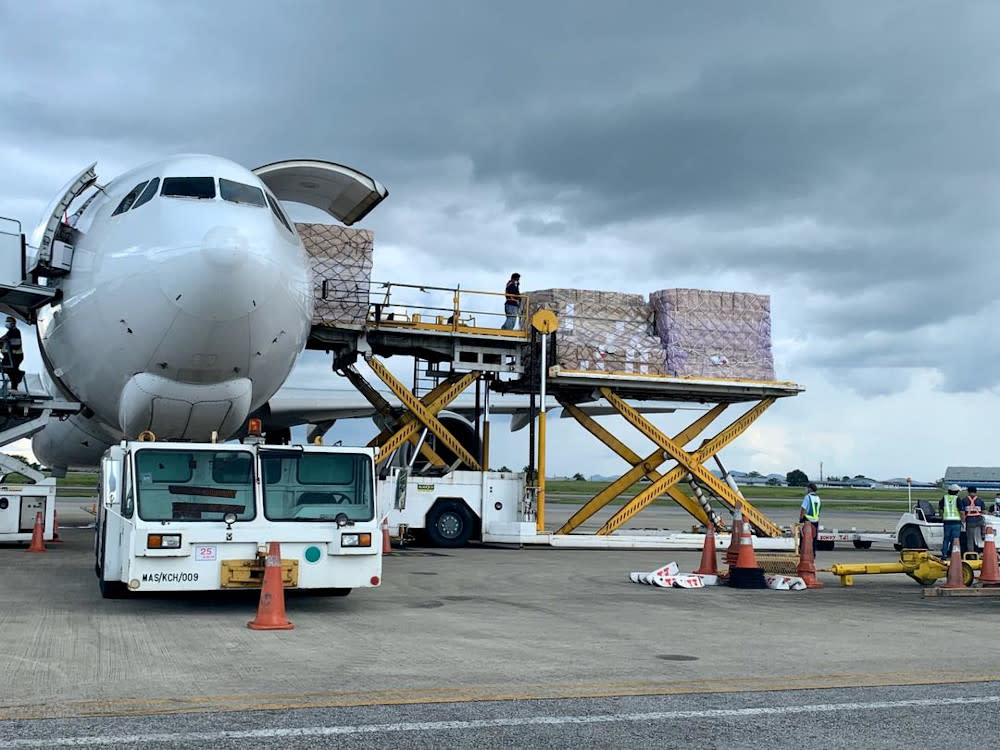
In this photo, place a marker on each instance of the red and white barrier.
(669, 576)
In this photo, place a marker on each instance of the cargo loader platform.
(459, 348)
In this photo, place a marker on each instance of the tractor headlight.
(355, 540)
(163, 541)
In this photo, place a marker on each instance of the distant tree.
(505, 468)
(797, 478)
(772, 482)
(581, 478)
(754, 474)
(860, 476)
(846, 478)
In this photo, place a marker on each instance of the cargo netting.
(341, 260)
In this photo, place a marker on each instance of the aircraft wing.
(292, 406)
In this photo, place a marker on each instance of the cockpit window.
(129, 199)
(148, 193)
(277, 212)
(237, 192)
(188, 187)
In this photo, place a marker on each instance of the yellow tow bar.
(920, 565)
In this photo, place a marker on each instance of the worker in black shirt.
(512, 302)
(13, 352)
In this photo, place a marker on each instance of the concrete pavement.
(927, 716)
(466, 625)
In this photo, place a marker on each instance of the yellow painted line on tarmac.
(467, 694)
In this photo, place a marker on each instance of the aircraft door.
(110, 527)
(55, 254)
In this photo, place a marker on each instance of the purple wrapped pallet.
(714, 334)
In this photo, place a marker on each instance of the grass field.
(570, 491)
(80, 484)
(74, 484)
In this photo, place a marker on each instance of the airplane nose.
(230, 271)
(225, 247)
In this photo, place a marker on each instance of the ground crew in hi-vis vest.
(948, 508)
(971, 508)
(810, 511)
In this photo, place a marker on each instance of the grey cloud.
(873, 381)
(541, 227)
(672, 142)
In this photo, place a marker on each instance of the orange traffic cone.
(746, 557)
(271, 610)
(37, 545)
(386, 542)
(55, 526)
(709, 566)
(954, 569)
(989, 574)
(745, 574)
(806, 569)
(734, 538)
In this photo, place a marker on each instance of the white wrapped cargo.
(341, 260)
(602, 331)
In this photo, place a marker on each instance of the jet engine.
(460, 427)
(76, 443)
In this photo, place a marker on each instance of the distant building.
(901, 483)
(856, 483)
(759, 481)
(743, 479)
(980, 477)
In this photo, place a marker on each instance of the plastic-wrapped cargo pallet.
(602, 331)
(342, 271)
(714, 334)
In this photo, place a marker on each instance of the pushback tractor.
(199, 516)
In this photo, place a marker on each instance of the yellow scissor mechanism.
(421, 414)
(667, 449)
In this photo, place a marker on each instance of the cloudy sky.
(841, 158)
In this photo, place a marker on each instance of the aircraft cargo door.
(345, 193)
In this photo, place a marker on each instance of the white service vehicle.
(922, 528)
(21, 503)
(489, 506)
(199, 516)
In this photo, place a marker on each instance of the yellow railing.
(443, 309)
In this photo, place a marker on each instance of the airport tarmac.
(451, 627)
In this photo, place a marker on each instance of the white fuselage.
(180, 315)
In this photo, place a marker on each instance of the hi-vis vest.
(950, 512)
(814, 502)
(972, 509)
